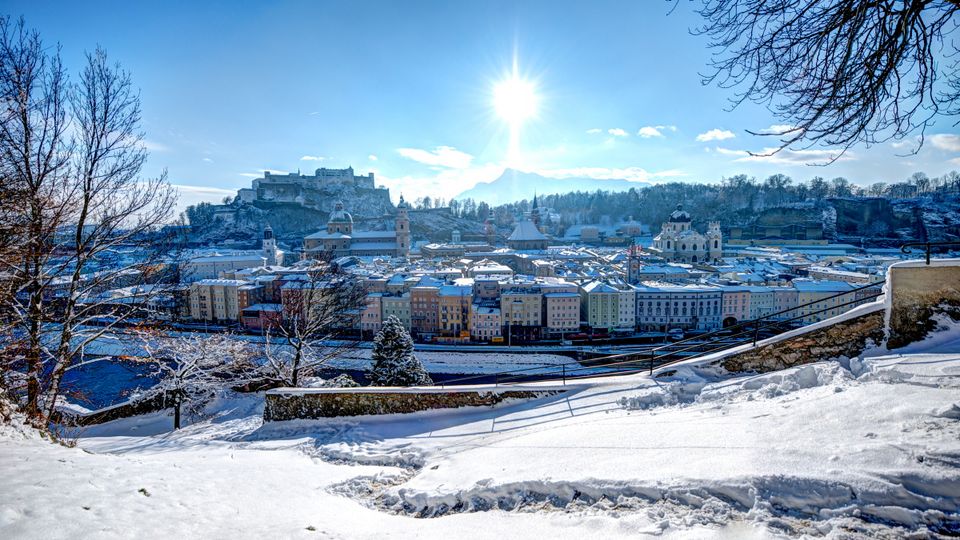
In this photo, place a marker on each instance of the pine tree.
(394, 363)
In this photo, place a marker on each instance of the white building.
(627, 308)
(210, 267)
(679, 242)
(820, 296)
(662, 306)
(762, 302)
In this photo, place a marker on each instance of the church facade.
(342, 239)
(679, 242)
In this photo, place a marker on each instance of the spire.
(534, 200)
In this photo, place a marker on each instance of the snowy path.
(867, 447)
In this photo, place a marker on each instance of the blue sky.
(404, 89)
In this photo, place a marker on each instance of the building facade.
(679, 242)
(341, 239)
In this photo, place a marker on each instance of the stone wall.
(291, 404)
(123, 410)
(921, 293)
(848, 338)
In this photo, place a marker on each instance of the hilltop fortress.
(319, 191)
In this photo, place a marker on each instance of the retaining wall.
(847, 338)
(921, 293)
(295, 403)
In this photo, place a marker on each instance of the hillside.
(860, 448)
(515, 185)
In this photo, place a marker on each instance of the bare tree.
(34, 156)
(877, 189)
(317, 310)
(194, 368)
(837, 72)
(86, 222)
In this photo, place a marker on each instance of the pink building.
(561, 312)
(370, 318)
(485, 323)
(736, 305)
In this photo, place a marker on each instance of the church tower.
(490, 228)
(714, 241)
(402, 226)
(269, 246)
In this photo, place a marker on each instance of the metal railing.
(927, 247)
(685, 349)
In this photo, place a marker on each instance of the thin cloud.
(207, 160)
(154, 146)
(372, 157)
(633, 174)
(202, 190)
(617, 132)
(441, 156)
(945, 141)
(261, 173)
(594, 131)
(716, 135)
(312, 158)
(777, 129)
(787, 156)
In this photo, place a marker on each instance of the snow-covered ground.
(863, 447)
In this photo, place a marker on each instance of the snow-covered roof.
(324, 235)
(374, 234)
(227, 258)
(222, 282)
(526, 230)
(455, 290)
(361, 246)
(656, 286)
(599, 287)
(679, 215)
(821, 286)
(264, 307)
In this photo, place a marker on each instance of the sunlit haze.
(435, 99)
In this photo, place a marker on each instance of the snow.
(863, 447)
(478, 388)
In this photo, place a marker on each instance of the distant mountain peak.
(515, 185)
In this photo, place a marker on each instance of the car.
(675, 334)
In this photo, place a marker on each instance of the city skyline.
(228, 93)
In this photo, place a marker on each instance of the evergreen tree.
(394, 363)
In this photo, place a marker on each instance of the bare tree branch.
(839, 72)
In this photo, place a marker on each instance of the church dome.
(679, 215)
(339, 215)
(402, 203)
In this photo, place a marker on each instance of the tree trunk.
(176, 412)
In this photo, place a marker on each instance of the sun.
(515, 100)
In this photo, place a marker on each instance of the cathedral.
(342, 239)
(678, 242)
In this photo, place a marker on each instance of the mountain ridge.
(513, 185)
